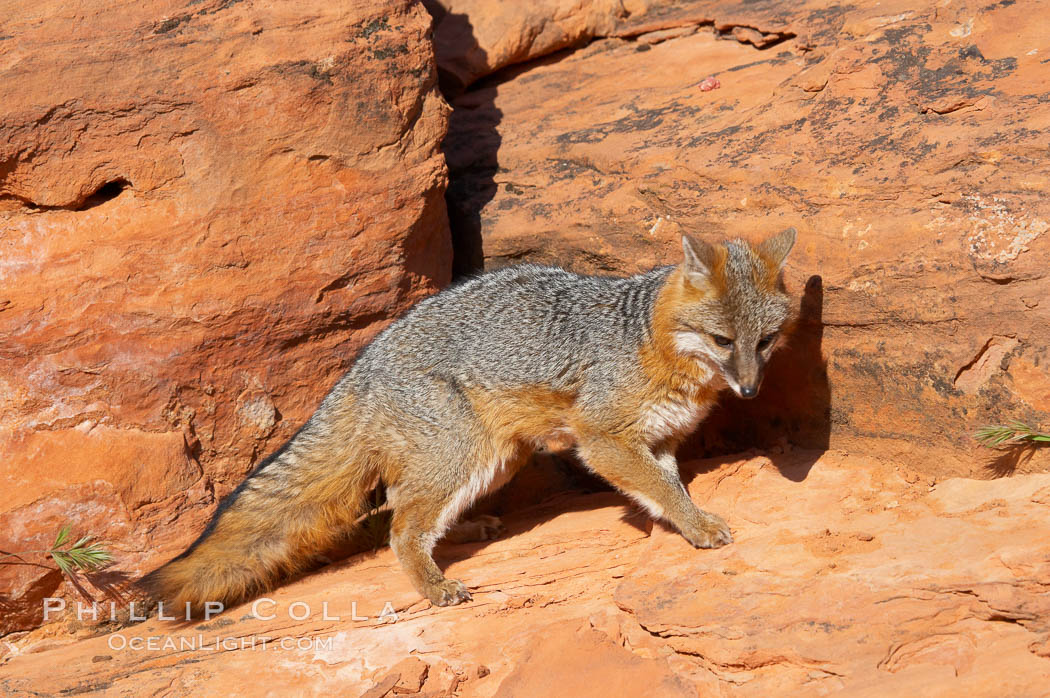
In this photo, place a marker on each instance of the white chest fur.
(671, 416)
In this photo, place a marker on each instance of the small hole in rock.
(107, 192)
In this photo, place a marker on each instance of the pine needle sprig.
(85, 555)
(1016, 432)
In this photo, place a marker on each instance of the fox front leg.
(654, 483)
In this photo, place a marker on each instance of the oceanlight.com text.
(199, 643)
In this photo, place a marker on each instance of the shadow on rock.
(1010, 459)
(472, 143)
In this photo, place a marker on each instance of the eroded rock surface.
(907, 146)
(195, 245)
(847, 573)
(474, 38)
(206, 208)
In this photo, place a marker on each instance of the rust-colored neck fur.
(667, 369)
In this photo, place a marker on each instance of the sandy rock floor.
(848, 573)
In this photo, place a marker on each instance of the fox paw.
(713, 532)
(448, 593)
(481, 528)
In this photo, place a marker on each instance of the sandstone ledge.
(843, 576)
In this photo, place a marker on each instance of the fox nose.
(748, 391)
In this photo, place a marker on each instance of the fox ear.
(777, 247)
(699, 260)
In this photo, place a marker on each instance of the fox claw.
(713, 533)
(449, 593)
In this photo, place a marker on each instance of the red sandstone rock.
(473, 38)
(843, 576)
(905, 144)
(902, 142)
(206, 208)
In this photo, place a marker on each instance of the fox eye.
(767, 340)
(722, 341)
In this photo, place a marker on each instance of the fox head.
(735, 306)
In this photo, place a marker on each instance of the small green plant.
(1016, 432)
(81, 556)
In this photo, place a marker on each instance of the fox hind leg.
(422, 515)
(413, 532)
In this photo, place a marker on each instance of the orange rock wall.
(206, 209)
(906, 144)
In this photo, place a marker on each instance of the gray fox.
(448, 402)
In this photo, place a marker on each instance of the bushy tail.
(291, 508)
